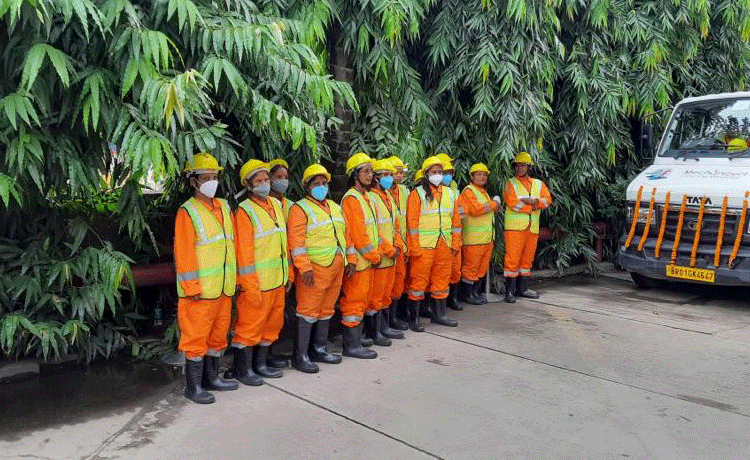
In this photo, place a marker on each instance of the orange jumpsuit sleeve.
(512, 201)
(185, 259)
(413, 208)
(457, 226)
(296, 230)
(545, 199)
(355, 228)
(473, 207)
(247, 278)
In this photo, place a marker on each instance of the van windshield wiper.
(681, 153)
(738, 154)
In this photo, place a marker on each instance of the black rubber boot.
(353, 344)
(194, 391)
(413, 310)
(478, 292)
(522, 291)
(301, 360)
(372, 330)
(385, 328)
(393, 317)
(211, 379)
(366, 341)
(510, 289)
(241, 370)
(453, 302)
(318, 351)
(276, 361)
(424, 307)
(403, 310)
(259, 363)
(437, 310)
(467, 294)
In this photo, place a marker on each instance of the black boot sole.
(360, 355)
(201, 398)
(307, 368)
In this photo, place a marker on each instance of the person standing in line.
(362, 234)
(449, 183)
(204, 257)
(434, 237)
(524, 198)
(263, 272)
(478, 234)
(392, 246)
(317, 241)
(397, 316)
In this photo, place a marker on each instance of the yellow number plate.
(689, 273)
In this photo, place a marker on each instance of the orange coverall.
(356, 288)
(475, 258)
(316, 301)
(203, 323)
(430, 268)
(260, 314)
(520, 245)
(380, 297)
(399, 269)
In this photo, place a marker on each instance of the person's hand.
(195, 297)
(308, 278)
(288, 286)
(350, 269)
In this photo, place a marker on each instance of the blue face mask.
(386, 182)
(447, 178)
(320, 192)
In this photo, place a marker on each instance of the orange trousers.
(520, 247)
(204, 325)
(382, 285)
(318, 301)
(399, 277)
(259, 324)
(456, 268)
(431, 272)
(475, 259)
(356, 296)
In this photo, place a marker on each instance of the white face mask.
(208, 188)
(435, 179)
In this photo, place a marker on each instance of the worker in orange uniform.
(524, 199)
(278, 170)
(452, 189)
(478, 233)
(434, 237)
(362, 234)
(392, 247)
(263, 273)
(204, 258)
(397, 312)
(317, 241)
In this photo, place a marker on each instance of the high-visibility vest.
(385, 220)
(454, 186)
(271, 259)
(214, 250)
(515, 220)
(286, 205)
(325, 236)
(479, 229)
(435, 219)
(371, 228)
(400, 210)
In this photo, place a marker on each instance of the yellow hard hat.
(418, 175)
(523, 157)
(313, 170)
(203, 162)
(397, 162)
(383, 165)
(431, 161)
(250, 168)
(278, 162)
(479, 167)
(448, 166)
(737, 145)
(444, 157)
(357, 160)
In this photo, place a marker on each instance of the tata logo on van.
(697, 200)
(658, 174)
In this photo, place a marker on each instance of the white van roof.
(714, 97)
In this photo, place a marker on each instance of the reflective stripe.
(440, 292)
(309, 319)
(416, 293)
(543, 201)
(351, 250)
(366, 249)
(518, 206)
(351, 319)
(413, 232)
(213, 353)
(456, 230)
(246, 270)
(525, 271)
(325, 318)
(510, 273)
(187, 276)
(265, 343)
(487, 207)
(299, 252)
(467, 281)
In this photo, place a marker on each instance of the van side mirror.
(647, 141)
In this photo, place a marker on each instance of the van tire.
(643, 282)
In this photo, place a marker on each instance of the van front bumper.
(642, 263)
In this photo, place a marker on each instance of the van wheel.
(643, 282)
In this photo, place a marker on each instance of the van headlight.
(642, 214)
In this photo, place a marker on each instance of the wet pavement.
(594, 369)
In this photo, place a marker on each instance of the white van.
(691, 222)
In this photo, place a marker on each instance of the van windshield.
(718, 128)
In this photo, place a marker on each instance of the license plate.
(690, 273)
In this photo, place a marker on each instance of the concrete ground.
(595, 369)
